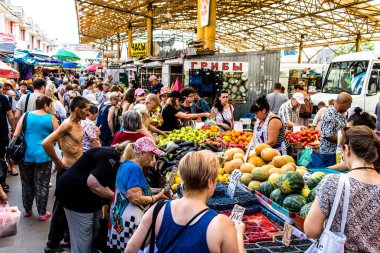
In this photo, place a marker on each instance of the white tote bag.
(333, 242)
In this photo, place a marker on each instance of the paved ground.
(32, 233)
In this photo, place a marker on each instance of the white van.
(355, 73)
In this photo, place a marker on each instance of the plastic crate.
(299, 222)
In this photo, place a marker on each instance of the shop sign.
(205, 12)
(138, 49)
(110, 54)
(235, 76)
(7, 37)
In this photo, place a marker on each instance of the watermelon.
(305, 210)
(294, 202)
(291, 182)
(266, 188)
(311, 196)
(314, 179)
(277, 196)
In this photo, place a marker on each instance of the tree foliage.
(350, 48)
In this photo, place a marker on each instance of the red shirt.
(122, 136)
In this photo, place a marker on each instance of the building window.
(23, 35)
(11, 27)
(32, 42)
(38, 44)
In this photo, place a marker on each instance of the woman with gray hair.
(132, 122)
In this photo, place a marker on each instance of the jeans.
(58, 224)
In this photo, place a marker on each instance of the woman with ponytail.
(269, 128)
(361, 151)
(132, 193)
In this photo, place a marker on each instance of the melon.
(238, 156)
(246, 178)
(294, 202)
(261, 147)
(256, 161)
(279, 161)
(314, 179)
(311, 196)
(268, 154)
(289, 159)
(254, 185)
(277, 196)
(231, 165)
(231, 152)
(268, 166)
(305, 210)
(246, 167)
(287, 167)
(275, 170)
(260, 174)
(294, 165)
(266, 188)
(302, 172)
(273, 178)
(291, 182)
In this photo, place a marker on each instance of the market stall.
(7, 71)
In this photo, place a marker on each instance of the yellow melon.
(231, 165)
(302, 172)
(289, 158)
(231, 152)
(238, 156)
(267, 167)
(257, 161)
(279, 161)
(275, 170)
(287, 167)
(261, 147)
(247, 167)
(269, 153)
(274, 178)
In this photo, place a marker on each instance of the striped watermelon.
(291, 182)
(277, 196)
(294, 202)
(314, 179)
(305, 210)
(266, 188)
(311, 196)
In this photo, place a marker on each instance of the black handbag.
(17, 147)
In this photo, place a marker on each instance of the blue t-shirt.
(35, 153)
(130, 175)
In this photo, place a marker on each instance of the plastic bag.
(306, 157)
(9, 218)
(316, 161)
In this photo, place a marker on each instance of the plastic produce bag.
(9, 218)
(306, 157)
(316, 161)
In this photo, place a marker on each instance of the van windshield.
(345, 76)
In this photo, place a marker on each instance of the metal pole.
(358, 42)
(149, 29)
(300, 52)
(200, 29)
(129, 42)
(210, 30)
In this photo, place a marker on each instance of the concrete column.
(149, 29)
(200, 29)
(130, 39)
(210, 30)
(358, 42)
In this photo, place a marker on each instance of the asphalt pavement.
(31, 234)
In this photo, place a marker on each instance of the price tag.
(199, 124)
(237, 213)
(287, 236)
(234, 179)
(296, 129)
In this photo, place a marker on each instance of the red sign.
(7, 37)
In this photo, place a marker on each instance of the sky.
(56, 18)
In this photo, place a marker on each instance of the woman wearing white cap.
(132, 192)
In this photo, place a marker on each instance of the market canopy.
(7, 71)
(94, 67)
(66, 55)
(241, 25)
(70, 65)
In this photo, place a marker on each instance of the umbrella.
(65, 55)
(94, 67)
(69, 65)
(8, 72)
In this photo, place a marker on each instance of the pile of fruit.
(187, 134)
(236, 139)
(308, 137)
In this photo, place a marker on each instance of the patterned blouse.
(332, 122)
(228, 114)
(363, 218)
(89, 133)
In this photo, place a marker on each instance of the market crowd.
(100, 138)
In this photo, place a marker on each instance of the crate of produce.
(299, 222)
(284, 214)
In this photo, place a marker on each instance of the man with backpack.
(306, 109)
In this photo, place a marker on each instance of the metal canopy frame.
(241, 25)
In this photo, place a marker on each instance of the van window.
(345, 76)
(374, 82)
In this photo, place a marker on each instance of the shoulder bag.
(225, 121)
(333, 242)
(17, 147)
(151, 248)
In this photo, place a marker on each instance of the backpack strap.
(26, 103)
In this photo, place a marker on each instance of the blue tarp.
(69, 65)
(7, 47)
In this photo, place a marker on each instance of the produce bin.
(278, 210)
(299, 222)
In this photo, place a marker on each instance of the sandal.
(14, 172)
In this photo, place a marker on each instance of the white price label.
(287, 235)
(234, 179)
(296, 129)
(237, 213)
